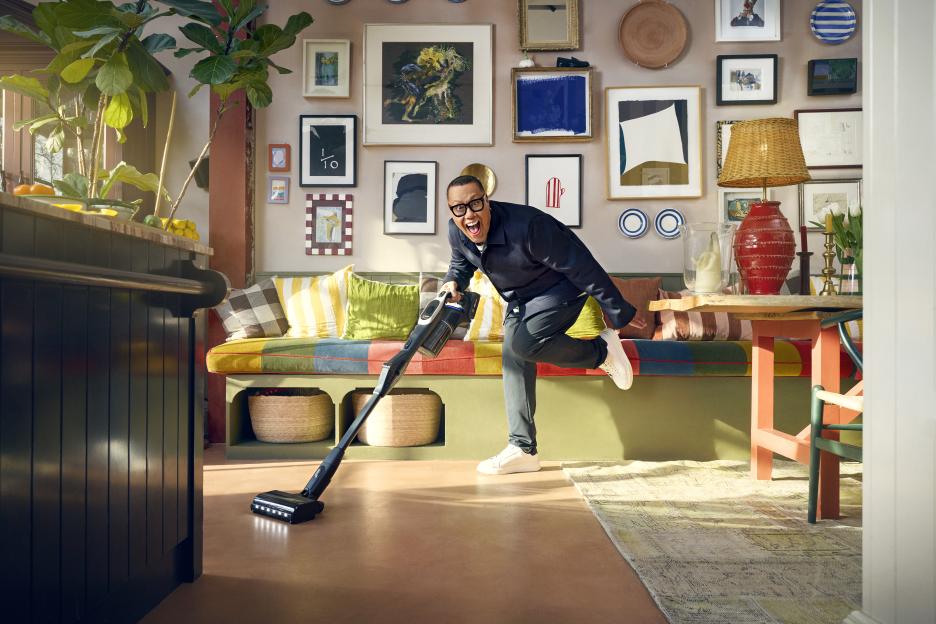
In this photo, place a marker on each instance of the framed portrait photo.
(329, 225)
(326, 68)
(277, 190)
(551, 104)
(410, 196)
(817, 194)
(746, 79)
(654, 145)
(328, 152)
(747, 20)
(278, 157)
(735, 203)
(428, 84)
(554, 185)
(832, 76)
(831, 137)
(550, 25)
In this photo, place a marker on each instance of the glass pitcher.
(707, 256)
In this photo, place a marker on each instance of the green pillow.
(377, 310)
(590, 321)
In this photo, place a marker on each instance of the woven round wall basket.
(281, 418)
(400, 419)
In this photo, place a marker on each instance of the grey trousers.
(540, 338)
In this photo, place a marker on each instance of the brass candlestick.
(828, 271)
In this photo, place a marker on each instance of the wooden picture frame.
(551, 104)
(329, 224)
(746, 79)
(554, 185)
(410, 191)
(326, 68)
(328, 150)
(653, 142)
(552, 25)
(428, 84)
(279, 157)
(816, 194)
(831, 137)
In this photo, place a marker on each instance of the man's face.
(475, 225)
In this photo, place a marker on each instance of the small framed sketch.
(746, 79)
(832, 76)
(410, 196)
(278, 158)
(277, 190)
(326, 68)
(328, 152)
(747, 20)
(831, 137)
(735, 203)
(815, 195)
(554, 185)
(329, 224)
(551, 104)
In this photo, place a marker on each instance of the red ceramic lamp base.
(764, 248)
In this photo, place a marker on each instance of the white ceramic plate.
(667, 223)
(633, 223)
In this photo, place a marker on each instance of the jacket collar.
(496, 232)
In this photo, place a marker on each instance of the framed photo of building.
(554, 185)
(428, 84)
(410, 196)
(816, 195)
(831, 137)
(328, 152)
(832, 76)
(551, 104)
(746, 79)
(278, 190)
(326, 68)
(747, 20)
(653, 142)
(329, 224)
(278, 157)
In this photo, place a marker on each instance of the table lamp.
(762, 153)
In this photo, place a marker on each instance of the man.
(544, 272)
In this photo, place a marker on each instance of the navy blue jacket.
(535, 261)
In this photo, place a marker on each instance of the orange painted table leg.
(762, 399)
(826, 371)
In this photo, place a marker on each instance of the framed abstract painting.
(329, 224)
(410, 196)
(746, 79)
(326, 68)
(653, 142)
(554, 185)
(428, 84)
(328, 150)
(551, 104)
(278, 190)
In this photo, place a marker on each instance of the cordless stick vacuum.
(433, 329)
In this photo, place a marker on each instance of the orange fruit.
(22, 189)
(41, 189)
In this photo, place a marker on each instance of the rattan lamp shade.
(762, 153)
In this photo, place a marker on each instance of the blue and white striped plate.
(667, 223)
(633, 223)
(833, 22)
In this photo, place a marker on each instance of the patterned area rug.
(714, 546)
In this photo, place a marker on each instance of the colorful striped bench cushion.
(333, 356)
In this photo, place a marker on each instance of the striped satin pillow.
(315, 306)
(699, 325)
(488, 321)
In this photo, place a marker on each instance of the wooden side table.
(794, 317)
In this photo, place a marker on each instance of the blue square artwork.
(552, 105)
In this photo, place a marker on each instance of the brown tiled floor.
(416, 541)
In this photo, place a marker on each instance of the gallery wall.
(281, 228)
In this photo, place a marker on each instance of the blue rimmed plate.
(667, 223)
(633, 223)
(833, 22)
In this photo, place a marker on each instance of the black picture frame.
(419, 198)
(832, 76)
(727, 95)
(327, 150)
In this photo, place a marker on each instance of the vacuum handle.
(324, 473)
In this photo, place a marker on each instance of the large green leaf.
(148, 72)
(56, 140)
(122, 172)
(77, 70)
(259, 94)
(185, 52)
(297, 23)
(118, 113)
(44, 17)
(202, 11)
(36, 122)
(139, 102)
(131, 19)
(99, 45)
(85, 14)
(25, 85)
(100, 30)
(16, 27)
(228, 6)
(214, 70)
(243, 17)
(157, 42)
(76, 46)
(281, 70)
(203, 36)
(114, 76)
(72, 185)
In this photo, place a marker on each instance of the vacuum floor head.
(291, 508)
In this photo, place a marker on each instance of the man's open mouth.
(473, 228)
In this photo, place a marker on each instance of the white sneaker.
(616, 365)
(512, 459)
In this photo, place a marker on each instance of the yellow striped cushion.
(488, 321)
(315, 306)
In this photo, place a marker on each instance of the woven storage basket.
(403, 419)
(291, 418)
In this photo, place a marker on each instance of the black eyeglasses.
(476, 205)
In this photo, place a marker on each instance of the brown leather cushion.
(639, 292)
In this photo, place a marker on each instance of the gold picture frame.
(551, 104)
(549, 25)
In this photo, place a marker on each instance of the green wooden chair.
(820, 397)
